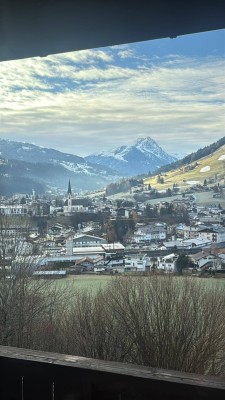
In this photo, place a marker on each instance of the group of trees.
(154, 194)
(156, 321)
(124, 185)
(117, 230)
(23, 301)
(160, 179)
(78, 219)
(183, 261)
(162, 322)
(168, 213)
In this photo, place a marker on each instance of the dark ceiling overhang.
(30, 28)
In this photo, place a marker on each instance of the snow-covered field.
(193, 182)
(78, 168)
(205, 169)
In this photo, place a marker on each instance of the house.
(86, 263)
(88, 241)
(172, 244)
(197, 243)
(166, 263)
(113, 248)
(187, 243)
(149, 233)
(205, 260)
(136, 263)
(211, 219)
(216, 234)
(59, 229)
(16, 209)
(123, 212)
(187, 232)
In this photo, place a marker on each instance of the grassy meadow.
(93, 282)
(207, 167)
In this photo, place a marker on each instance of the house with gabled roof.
(205, 260)
(214, 233)
(85, 240)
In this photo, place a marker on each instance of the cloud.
(82, 57)
(126, 53)
(80, 101)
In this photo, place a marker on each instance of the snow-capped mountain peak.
(143, 156)
(148, 145)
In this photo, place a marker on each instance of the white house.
(190, 232)
(167, 263)
(187, 244)
(88, 241)
(14, 210)
(216, 234)
(202, 260)
(149, 233)
(136, 263)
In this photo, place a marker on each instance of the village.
(78, 234)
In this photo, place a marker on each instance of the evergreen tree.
(182, 262)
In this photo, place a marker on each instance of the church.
(74, 205)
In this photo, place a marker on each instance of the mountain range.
(144, 156)
(25, 166)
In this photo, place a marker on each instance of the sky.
(172, 90)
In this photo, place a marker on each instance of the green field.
(204, 199)
(93, 282)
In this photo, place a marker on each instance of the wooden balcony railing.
(36, 375)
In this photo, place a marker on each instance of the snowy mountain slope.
(31, 153)
(45, 168)
(144, 156)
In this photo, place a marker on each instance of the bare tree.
(92, 329)
(26, 304)
(175, 323)
(158, 321)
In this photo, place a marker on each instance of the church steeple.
(69, 198)
(69, 189)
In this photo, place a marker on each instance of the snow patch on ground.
(84, 168)
(193, 182)
(70, 166)
(221, 158)
(77, 168)
(205, 169)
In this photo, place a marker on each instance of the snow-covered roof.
(49, 273)
(79, 236)
(113, 246)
